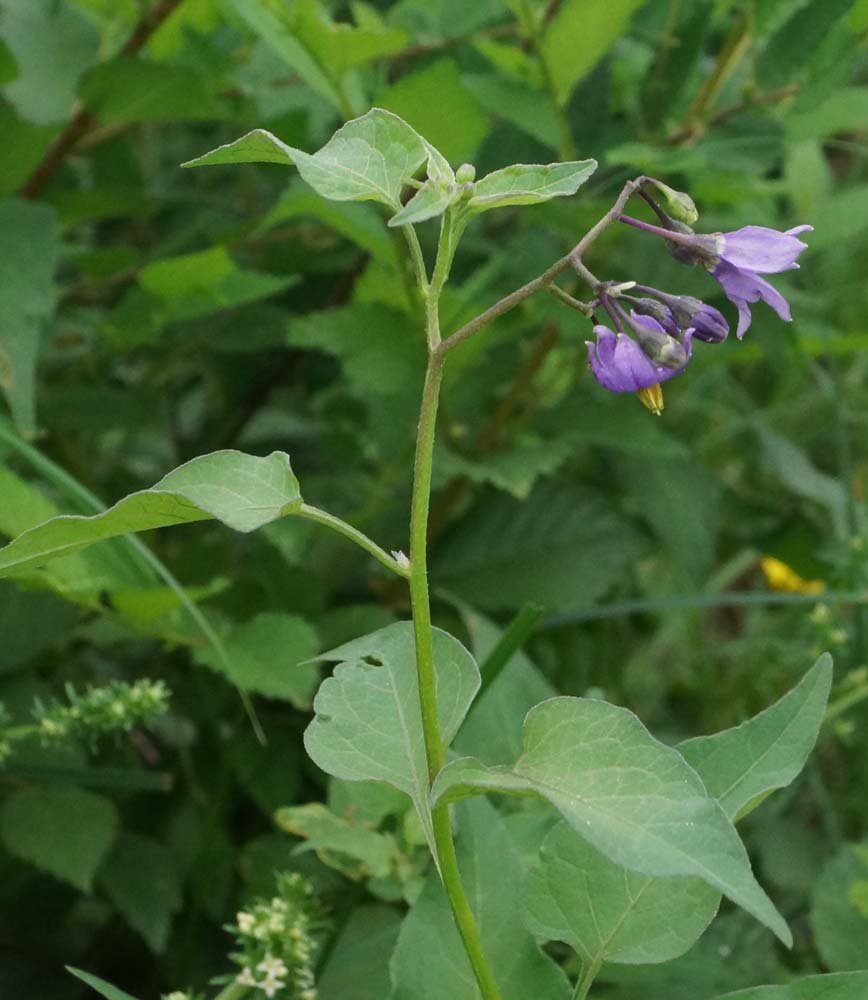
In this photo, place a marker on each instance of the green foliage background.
(149, 315)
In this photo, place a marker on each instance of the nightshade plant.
(645, 846)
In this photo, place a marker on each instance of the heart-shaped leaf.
(634, 799)
(242, 491)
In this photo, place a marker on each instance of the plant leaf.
(368, 159)
(607, 914)
(431, 200)
(530, 184)
(838, 986)
(100, 985)
(140, 878)
(269, 655)
(633, 798)
(256, 146)
(429, 962)
(840, 927)
(28, 253)
(61, 829)
(596, 25)
(357, 968)
(742, 764)
(368, 725)
(340, 843)
(242, 491)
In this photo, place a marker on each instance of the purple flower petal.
(756, 248)
(742, 286)
(619, 364)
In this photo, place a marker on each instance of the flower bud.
(708, 323)
(685, 311)
(657, 344)
(656, 310)
(465, 174)
(679, 204)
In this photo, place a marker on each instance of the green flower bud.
(679, 204)
(465, 174)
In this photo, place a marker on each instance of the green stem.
(419, 599)
(354, 535)
(515, 298)
(513, 638)
(417, 257)
(435, 752)
(583, 986)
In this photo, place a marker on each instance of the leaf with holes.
(368, 724)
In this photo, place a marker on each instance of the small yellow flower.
(784, 578)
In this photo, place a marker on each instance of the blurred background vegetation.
(151, 314)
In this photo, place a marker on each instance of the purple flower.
(766, 251)
(619, 364)
(749, 252)
(737, 260)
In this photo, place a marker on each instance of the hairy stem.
(419, 599)
(509, 302)
(354, 535)
(435, 752)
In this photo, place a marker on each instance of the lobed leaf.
(741, 765)
(242, 491)
(633, 798)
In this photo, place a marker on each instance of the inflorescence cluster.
(653, 341)
(276, 941)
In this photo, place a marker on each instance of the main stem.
(435, 753)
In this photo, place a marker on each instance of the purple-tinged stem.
(667, 234)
